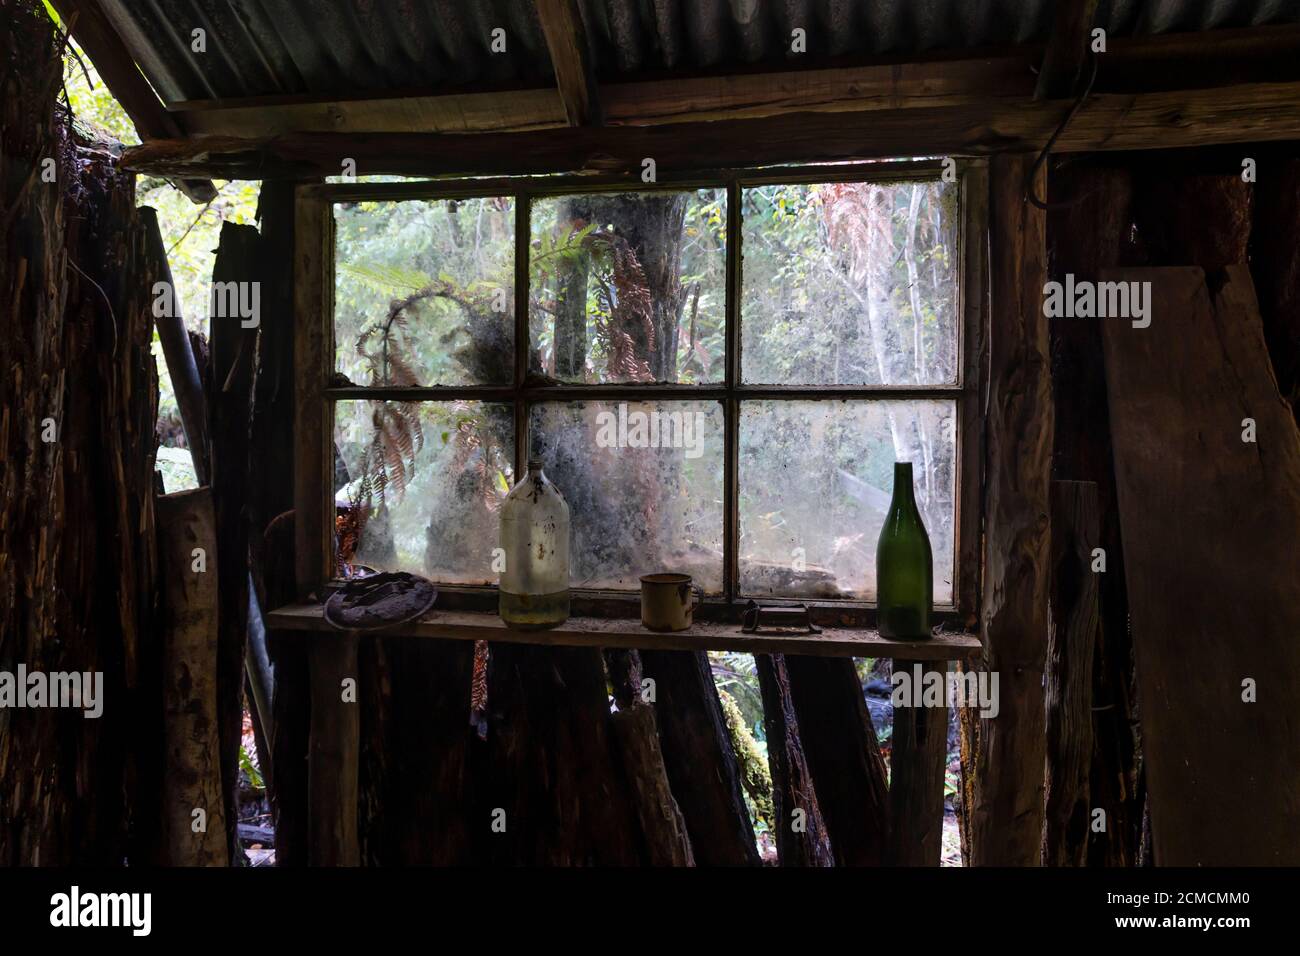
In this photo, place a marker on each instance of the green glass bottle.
(904, 566)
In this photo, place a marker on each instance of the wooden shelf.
(604, 632)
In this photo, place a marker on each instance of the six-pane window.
(718, 378)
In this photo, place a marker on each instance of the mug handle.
(697, 593)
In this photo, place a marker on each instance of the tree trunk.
(78, 396)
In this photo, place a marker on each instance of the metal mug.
(668, 601)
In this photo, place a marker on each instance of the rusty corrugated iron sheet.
(341, 47)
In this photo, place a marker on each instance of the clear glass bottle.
(904, 565)
(534, 590)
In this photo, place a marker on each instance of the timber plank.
(1210, 528)
(611, 632)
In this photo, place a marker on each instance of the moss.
(755, 776)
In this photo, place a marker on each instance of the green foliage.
(250, 769)
(755, 776)
(190, 233)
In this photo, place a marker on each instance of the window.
(718, 376)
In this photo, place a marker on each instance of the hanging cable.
(1047, 147)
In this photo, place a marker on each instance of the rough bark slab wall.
(76, 519)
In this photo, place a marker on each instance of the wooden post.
(313, 315)
(1006, 754)
(332, 762)
(1071, 642)
(187, 551)
(917, 764)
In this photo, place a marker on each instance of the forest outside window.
(718, 376)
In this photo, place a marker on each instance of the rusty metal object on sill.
(776, 618)
(378, 601)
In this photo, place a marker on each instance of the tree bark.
(549, 790)
(637, 735)
(78, 397)
(801, 838)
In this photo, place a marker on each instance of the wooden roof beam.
(566, 38)
(1244, 113)
(1067, 49)
(96, 35)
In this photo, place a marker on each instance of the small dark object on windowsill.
(380, 600)
(777, 618)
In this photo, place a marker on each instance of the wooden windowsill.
(605, 632)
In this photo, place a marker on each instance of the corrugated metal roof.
(333, 47)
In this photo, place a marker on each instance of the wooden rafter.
(1246, 113)
(1067, 49)
(566, 39)
(96, 35)
(1130, 65)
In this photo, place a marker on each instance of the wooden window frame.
(314, 350)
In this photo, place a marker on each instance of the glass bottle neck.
(903, 484)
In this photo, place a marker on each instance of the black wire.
(1047, 147)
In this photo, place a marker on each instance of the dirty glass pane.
(629, 287)
(643, 481)
(816, 479)
(422, 482)
(849, 284)
(424, 291)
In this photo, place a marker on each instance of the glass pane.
(816, 479)
(849, 284)
(629, 287)
(644, 485)
(424, 291)
(418, 485)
